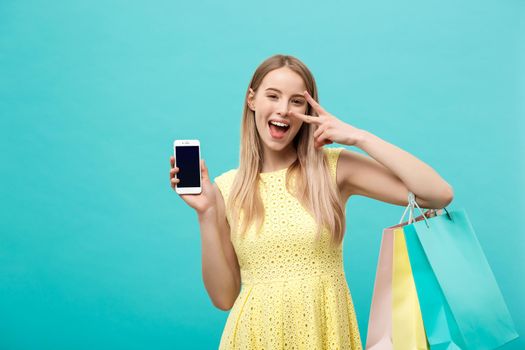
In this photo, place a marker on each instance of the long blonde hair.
(315, 189)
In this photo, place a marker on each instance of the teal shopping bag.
(461, 303)
(440, 326)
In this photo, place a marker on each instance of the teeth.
(278, 124)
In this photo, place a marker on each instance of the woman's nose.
(282, 109)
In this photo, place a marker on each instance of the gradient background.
(98, 252)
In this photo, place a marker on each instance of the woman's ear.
(249, 99)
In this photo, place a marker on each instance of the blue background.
(98, 252)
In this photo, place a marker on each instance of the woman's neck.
(277, 160)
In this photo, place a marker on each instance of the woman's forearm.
(216, 273)
(419, 177)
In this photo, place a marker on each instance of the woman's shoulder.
(332, 151)
(226, 175)
(225, 180)
(332, 155)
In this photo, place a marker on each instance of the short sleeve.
(332, 155)
(224, 182)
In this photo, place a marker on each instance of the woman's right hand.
(200, 202)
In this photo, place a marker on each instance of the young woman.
(275, 225)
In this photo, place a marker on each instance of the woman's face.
(280, 90)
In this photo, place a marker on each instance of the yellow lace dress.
(294, 294)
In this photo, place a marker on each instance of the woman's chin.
(277, 145)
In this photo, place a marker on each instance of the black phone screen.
(187, 160)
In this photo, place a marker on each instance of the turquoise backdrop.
(98, 252)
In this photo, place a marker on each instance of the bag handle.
(411, 204)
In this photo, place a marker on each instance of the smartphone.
(188, 160)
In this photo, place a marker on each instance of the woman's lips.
(277, 132)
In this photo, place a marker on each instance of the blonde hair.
(315, 189)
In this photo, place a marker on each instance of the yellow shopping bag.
(408, 331)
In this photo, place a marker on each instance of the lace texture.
(294, 293)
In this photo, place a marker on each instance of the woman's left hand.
(329, 128)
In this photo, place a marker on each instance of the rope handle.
(412, 203)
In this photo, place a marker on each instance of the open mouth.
(277, 129)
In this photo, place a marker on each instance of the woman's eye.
(297, 102)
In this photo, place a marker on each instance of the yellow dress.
(294, 293)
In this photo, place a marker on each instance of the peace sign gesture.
(329, 128)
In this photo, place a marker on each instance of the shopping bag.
(408, 332)
(379, 333)
(461, 303)
(441, 328)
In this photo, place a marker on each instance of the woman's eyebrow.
(279, 91)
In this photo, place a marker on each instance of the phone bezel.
(185, 143)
